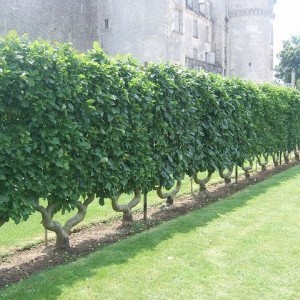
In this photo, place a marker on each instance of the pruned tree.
(63, 231)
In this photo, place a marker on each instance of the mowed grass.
(32, 232)
(243, 247)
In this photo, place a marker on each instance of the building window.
(206, 56)
(178, 21)
(195, 53)
(207, 33)
(106, 24)
(195, 29)
(205, 8)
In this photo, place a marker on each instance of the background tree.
(289, 59)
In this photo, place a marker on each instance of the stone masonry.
(231, 37)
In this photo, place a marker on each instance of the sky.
(286, 22)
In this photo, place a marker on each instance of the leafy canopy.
(289, 59)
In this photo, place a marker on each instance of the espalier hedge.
(79, 126)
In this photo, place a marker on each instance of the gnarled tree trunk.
(286, 157)
(169, 195)
(126, 208)
(263, 164)
(248, 169)
(63, 231)
(203, 192)
(297, 154)
(226, 176)
(275, 158)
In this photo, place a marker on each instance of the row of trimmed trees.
(75, 127)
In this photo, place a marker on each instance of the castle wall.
(138, 27)
(237, 33)
(149, 34)
(182, 45)
(250, 39)
(68, 20)
(219, 18)
(246, 4)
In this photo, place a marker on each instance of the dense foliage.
(74, 125)
(289, 59)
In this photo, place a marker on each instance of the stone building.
(231, 37)
(250, 39)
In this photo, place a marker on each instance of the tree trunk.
(286, 157)
(62, 240)
(203, 192)
(170, 196)
(62, 237)
(170, 201)
(263, 164)
(126, 208)
(275, 158)
(248, 169)
(226, 176)
(297, 155)
(63, 232)
(127, 218)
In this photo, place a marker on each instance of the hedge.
(78, 126)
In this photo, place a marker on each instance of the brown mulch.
(23, 263)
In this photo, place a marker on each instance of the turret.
(250, 39)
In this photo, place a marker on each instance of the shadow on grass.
(49, 284)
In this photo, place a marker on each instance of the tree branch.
(82, 209)
(47, 215)
(263, 164)
(250, 167)
(226, 176)
(203, 192)
(171, 194)
(202, 181)
(126, 208)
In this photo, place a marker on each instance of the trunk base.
(62, 242)
(170, 201)
(247, 174)
(127, 219)
(204, 194)
(227, 180)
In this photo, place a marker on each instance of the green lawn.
(243, 247)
